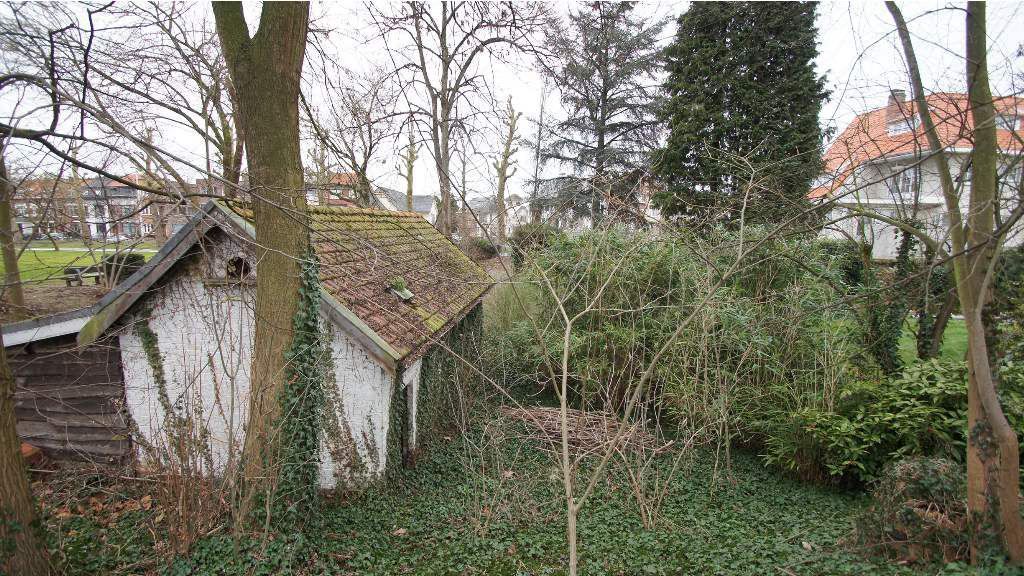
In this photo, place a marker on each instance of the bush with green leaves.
(923, 412)
(528, 238)
(763, 342)
(483, 248)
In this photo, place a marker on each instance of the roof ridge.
(361, 210)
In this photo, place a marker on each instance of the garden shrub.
(528, 238)
(122, 265)
(846, 257)
(919, 512)
(480, 248)
(923, 412)
(762, 344)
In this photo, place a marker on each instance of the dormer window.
(902, 125)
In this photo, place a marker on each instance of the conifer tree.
(605, 65)
(742, 84)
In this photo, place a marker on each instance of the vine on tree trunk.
(302, 406)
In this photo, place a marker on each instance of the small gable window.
(237, 269)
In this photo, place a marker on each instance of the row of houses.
(109, 210)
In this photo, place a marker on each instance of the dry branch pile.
(589, 432)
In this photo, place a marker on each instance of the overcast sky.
(858, 55)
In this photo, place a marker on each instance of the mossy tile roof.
(365, 254)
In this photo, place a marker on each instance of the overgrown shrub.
(919, 512)
(764, 342)
(482, 249)
(923, 412)
(118, 267)
(528, 238)
(846, 258)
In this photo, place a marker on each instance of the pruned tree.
(405, 169)
(505, 167)
(604, 66)
(266, 70)
(444, 47)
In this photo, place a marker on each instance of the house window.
(902, 125)
(1007, 121)
(904, 180)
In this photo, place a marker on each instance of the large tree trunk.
(12, 275)
(992, 452)
(265, 72)
(993, 467)
(16, 506)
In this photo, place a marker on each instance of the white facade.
(203, 324)
(907, 187)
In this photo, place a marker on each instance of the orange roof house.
(895, 131)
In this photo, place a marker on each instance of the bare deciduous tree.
(505, 168)
(265, 71)
(442, 48)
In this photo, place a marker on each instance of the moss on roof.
(363, 250)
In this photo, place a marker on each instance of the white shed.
(391, 287)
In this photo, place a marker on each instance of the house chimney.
(894, 111)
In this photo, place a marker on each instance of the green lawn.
(138, 245)
(48, 265)
(954, 341)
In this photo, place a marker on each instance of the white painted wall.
(205, 336)
(875, 188)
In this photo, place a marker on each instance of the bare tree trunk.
(265, 72)
(502, 166)
(12, 274)
(993, 475)
(410, 162)
(993, 467)
(941, 321)
(17, 510)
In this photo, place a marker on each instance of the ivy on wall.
(446, 385)
(302, 405)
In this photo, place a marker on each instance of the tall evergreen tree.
(605, 64)
(741, 83)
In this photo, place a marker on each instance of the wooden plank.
(80, 450)
(86, 391)
(87, 405)
(110, 421)
(54, 381)
(30, 431)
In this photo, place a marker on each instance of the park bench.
(76, 275)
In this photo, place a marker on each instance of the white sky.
(858, 54)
